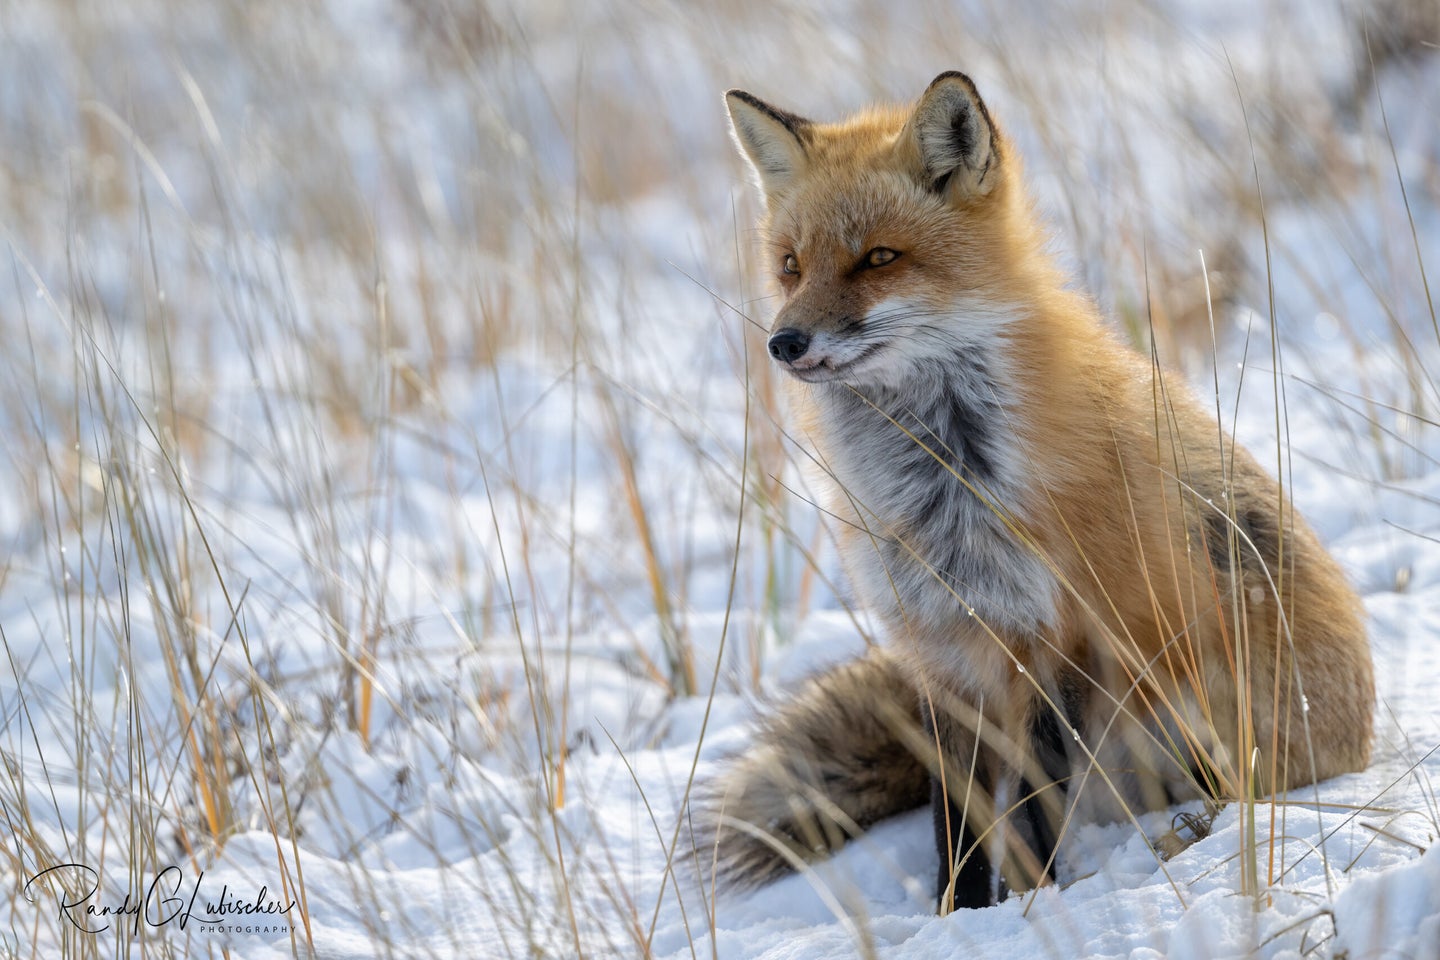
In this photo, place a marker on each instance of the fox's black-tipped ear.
(951, 132)
(771, 139)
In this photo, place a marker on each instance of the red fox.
(1095, 602)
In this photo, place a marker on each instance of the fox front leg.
(995, 801)
(961, 804)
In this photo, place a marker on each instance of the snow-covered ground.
(376, 399)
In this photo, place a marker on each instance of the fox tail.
(842, 755)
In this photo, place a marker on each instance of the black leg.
(1033, 828)
(953, 839)
(1031, 831)
(1041, 815)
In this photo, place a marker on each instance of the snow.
(1392, 913)
(330, 332)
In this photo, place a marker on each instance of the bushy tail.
(843, 754)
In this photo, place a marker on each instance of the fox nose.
(789, 345)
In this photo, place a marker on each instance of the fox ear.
(770, 138)
(951, 131)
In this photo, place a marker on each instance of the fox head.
(895, 236)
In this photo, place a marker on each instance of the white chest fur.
(936, 474)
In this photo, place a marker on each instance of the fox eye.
(790, 265)
(880, 256)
